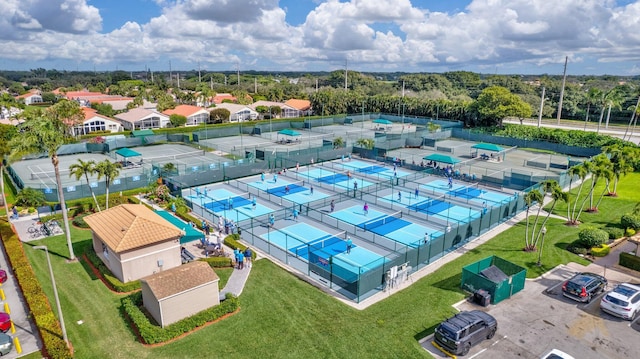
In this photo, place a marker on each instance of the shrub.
(629, 232)
(591, 237)
(152, 333)
(614, 232)
(601, 251)
(218, 262)
(576, 247)
(630, 221)
(79, 222)
(630, 261)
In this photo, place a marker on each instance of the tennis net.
(230, 202)
(319, 244)
(197, 153)
(381, 221)
(294, 187)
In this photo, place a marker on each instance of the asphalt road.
(539, 319)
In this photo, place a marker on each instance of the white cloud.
(390, 35)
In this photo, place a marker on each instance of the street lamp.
(55, 294)
(544, 231)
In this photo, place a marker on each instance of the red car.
(3, 276)
(5, 322)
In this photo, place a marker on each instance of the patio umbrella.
(488, 147)
(289, 132)
(441, 158)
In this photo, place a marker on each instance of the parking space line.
(483, 350)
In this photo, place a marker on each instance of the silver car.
(623, 301)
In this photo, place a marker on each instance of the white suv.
(623, 301)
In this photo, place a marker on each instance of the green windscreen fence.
(499, 277)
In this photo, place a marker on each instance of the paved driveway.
(539, 319)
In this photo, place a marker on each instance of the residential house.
(181, 292)
(30, 98)
(142, 119)
(93, 121)
(303, 106)
(287, 111)
(219, 98)
(239, 112)
(134, 242)
(195, 115)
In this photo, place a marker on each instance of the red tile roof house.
(142, 119)
(30, 98)
(218, 98)
(287, 111)
(195, 115)
(93, 121)
(304, 106)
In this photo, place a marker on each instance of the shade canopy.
(191, 234)
(441, 158)
(141, 133)
(127, 152)
(488, 147)
(289, 132)
(382, 121)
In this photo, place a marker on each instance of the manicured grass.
(223, 274)
(284, 317)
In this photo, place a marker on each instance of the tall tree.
(579, 171)
(7, 132)
(46, 135)
(85, 169)
(496, 103)
(533, 196)
(109, 170)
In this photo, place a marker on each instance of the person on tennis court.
(275, 178)
(366, 208)
(262, 176)
(417, 192)
(286, 189)
(254, 203)
(311, 189)
(399, 196)
(484, 207)
(355, 185)
(297, 166)
(205, 191)
(272, 220)
(349, 244)
(295, 214)
(332, 205)
(426, 238)
(230, 203)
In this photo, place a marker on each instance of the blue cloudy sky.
(488, 36)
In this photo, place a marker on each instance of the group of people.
(242, 257)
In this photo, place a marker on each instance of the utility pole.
(255, 85)
(199, 77)
(541, 106)
(564, 79)
(238, 69)
(178, 76)
(170, 74)
(345, 74)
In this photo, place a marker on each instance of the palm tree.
(592, 97)
(84, 169)
(613, 99)
(579, 171)
(46, 134)
(622, 159)
(109, 170)
(557, 194)
(533, 196)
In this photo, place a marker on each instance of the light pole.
(544, 231)
(55, 294)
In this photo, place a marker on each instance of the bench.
(186, 256)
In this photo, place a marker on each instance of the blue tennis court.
(445, 210)
(414, 234)
(368, 168)
(471, 193)
(336, 179)
(350, 266)
(356, 216)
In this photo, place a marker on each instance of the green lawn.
(284, 317)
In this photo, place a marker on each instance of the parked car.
(3, 276)
(459, 333)
(556, 354)
(5, 322)
(6, 344)
(584, 286)
(623, 301)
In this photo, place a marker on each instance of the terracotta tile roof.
(130, 226)
(28, 94)
(184, 110)
(90, 113)
(223, 96)
(180, 279)
(302, 105)
(76, 94)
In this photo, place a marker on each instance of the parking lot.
(539, 319)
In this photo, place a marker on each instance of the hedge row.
(152, 333)
(601, 251)
(114, 282)
(40, 309)
(630, 261)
